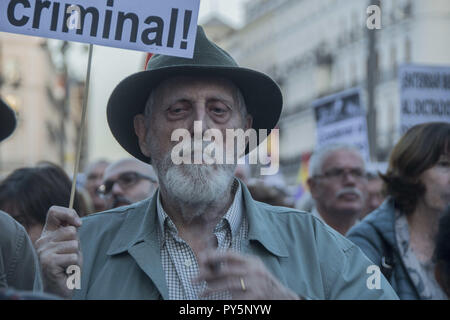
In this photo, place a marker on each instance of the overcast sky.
(230, 9)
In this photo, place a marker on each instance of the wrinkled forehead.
(189, 85)
(97, 168)
(343, 159)
(113, 171)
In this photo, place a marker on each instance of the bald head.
(127, 181)
(97, 165)
(129, 164)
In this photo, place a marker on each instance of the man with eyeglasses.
(127, 181)
(338, 185)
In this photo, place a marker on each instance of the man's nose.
(200, 112)
(349, 179)
(200, 115)
(116, 189)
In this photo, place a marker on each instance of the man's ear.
(312, 186)
(248, 122)
(141, 131)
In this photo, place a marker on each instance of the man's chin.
(350, 208)
(121, 204)
(199, 184)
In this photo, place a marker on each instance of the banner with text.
(340, 118)
(164, 27)
(424, 95)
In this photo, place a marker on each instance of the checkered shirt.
(178, 259)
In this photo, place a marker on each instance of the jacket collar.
(260, 218)
(141, 225)
(138, 235)
(383, 221)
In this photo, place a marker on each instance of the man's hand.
(58, 248)
(244, 277)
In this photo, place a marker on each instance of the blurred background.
(312, 48)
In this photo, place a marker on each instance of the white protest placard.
(340, 118)
(165, 27)
(424, 94)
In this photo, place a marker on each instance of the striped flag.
(302, 175)
(147, 59)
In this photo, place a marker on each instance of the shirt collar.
(141, 224)
(233, 216)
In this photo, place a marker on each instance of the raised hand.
(58, 248)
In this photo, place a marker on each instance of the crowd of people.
(145, 228)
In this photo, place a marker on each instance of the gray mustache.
(120, 200)
(347, 190)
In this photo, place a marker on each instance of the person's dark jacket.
(375, 235)
(19, 268)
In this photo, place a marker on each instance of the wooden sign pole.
(82, 126)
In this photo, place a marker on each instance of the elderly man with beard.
(201, 236)
(338, 184)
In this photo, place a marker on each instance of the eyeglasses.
(339, 173)
(125, 180)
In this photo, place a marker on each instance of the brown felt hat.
(261, 94)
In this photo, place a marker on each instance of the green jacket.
(121, 254)
(18, 261)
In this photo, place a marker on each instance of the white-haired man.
(127, 181)
(338, 184)
(201, 235)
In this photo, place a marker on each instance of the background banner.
(340, 118)
(424, 94)
(165, 27)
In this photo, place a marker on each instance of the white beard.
(197, 184)
(194, 184)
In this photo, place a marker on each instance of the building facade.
(314, 48)
(47, 103)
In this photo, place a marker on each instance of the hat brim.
(7, 120)
(261, 94)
